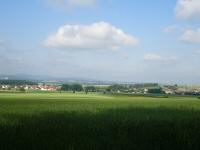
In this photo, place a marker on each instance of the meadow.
(78, 121)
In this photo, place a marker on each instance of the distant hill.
(50, 79)
(16, 82)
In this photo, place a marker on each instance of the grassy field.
(98, 122)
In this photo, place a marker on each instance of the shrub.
(166, 96)
(21, 89)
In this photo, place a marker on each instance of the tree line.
(78, 88)
(111, 89)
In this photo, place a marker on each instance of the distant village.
(146, 88)
(31, 87)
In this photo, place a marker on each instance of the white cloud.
(187, 9)
(99, 35)
(173, 29)
(170, 29)
(81, 2)
(158, 58)
(66, 4)
(152, 57)
(191, 36)
(125, 57)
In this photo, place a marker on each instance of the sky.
(112, 40)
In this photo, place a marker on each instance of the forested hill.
(17, 82)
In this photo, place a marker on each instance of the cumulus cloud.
(99, 35)
(187, 9)
(71, 3)
(169, 29)
(152, 57)
(191, 36)
(158, 58)
(125, 57)
(172, 29)
(81, 2)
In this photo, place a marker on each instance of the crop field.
(34, 121)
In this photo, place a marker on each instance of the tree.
(65, 87)
(21, 89)
(76, 87)
(117, 87)
(90, 89)
(108, 89)
(155, 90)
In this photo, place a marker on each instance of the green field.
(98, 122)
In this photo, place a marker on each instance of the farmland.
(95, 121)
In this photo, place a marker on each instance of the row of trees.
(77, 88)
(113, 88)
(152, 88)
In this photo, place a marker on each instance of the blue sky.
(141, 41)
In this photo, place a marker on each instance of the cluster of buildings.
(175, 90)
(44, 87)
(139, 91)
(117, 88)
(31, 87)
(156, 89)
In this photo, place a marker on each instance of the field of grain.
(98, 122)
